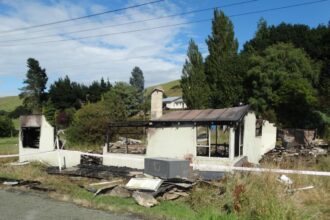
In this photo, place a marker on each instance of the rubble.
(300, 189)
(90, 160)
(170, 196)
(291, 152)
(35, 185)
(103, 187)
(127, 145)
(144, 199)
(120, 191)
(284, 179)
(96, 171)
(126, 182)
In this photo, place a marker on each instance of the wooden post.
(58, 154)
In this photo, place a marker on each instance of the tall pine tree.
(33, 94)
(137, 81)
(220, 65)
(195, 91)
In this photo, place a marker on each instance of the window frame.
(217, 143)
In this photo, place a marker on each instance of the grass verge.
(238, 196)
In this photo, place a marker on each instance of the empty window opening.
(30, 137)
(203, 147)
(219, 141)
(258, 128)
(127, 138)
(213, 141)
(239, 138)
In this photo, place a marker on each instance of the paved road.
(30, 206)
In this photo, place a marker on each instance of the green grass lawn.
(171, 88)
(9, 145)
(9, 103)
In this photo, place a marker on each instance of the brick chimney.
(157, 103)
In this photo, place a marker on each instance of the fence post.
(58, 154)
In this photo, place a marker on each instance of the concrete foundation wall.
(72, 158)
(124, 160)
(175, 142)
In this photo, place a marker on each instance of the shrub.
(7, 128)
(19, 110)
(90, 123)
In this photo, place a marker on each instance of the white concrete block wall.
(46, 143)
(124, 160)
(268, 137)
(251, 147)
(255, 147)
(174, 142)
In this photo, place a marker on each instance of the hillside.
(171, 88)
(9, 103)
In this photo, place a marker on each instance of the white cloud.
(113, 57)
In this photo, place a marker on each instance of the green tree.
(195, 91)
(280, 81)
(223, 80)
(33, 94)
(62, 94)
(137, 81)
(126, 94)
(6, 126)
(296, 104)
(314, 41)
(90, 123)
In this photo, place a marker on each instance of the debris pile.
(96, 171)
(90, 160)
(296, 144)
(127, 145)
(35, 185)
(146, 190)
(288, 183)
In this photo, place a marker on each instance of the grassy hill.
(9, 103)
(171, 88)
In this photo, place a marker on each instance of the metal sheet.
(225, 114)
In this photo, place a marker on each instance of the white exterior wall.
(156, 104)
(176, 105)
(180, 142)
(268, 137)
(46, 143)
(175, 142)
(255, 147)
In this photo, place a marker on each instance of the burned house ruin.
(226, 136)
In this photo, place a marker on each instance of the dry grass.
(262, 196)
(238, 196)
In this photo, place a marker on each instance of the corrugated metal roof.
(225, 114)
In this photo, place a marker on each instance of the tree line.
(84, 110)
(283, 72)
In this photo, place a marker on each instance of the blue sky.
(160, 53)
